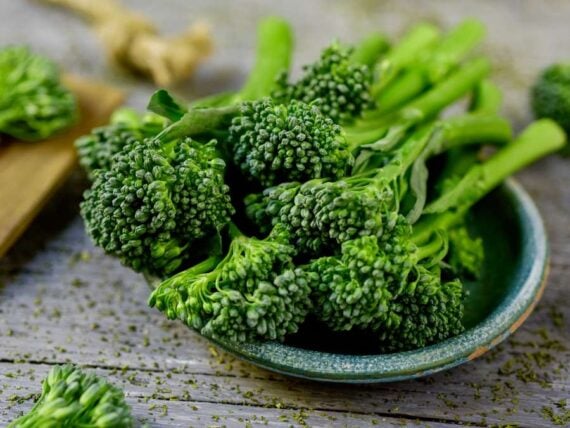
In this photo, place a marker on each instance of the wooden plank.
(158, 400)
(31, 172)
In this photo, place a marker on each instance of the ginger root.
(132, 41)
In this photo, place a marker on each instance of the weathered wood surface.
(62, 300)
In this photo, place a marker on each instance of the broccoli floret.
(34, 104)
(337, 84)
(321, 214)
(73, 398)
(550, 95)
(155, 201)
(357, 288)
(273, 143)
(253, 293)
(96, 150)
(427, 311)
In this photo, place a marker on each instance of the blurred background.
(523, 36)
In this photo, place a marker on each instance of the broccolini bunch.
(34, 104)
(352, 220)
(72, 398)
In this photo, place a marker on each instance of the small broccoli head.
(340, 87)
(33, 102)
(321, 214)
(425, 312)
(289, 142)
(550, 95)
(71, 397)
(155, 201)
(253, 293)
(351, 290)
(96, 150)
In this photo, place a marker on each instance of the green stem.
(369, 49)
(436, 99)
(405, 155)
(436, 245)
(453, 48)
(199, 121)
(405, 53)
(487, 98)
(451, 89)
(474, 128)
(536, 141)
(234, 231)
(273, 56)
(400, 91)
(204, 266)
(436, 65)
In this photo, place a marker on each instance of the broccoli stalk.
(252, 293)
(321, 214)
(72, 398)
(382, 134)
(538, 140)
(405, 53)
(466, 253)
(33, 102)
(273, 57)
(434, 65)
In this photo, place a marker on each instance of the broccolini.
(253, 293)
(72, 398)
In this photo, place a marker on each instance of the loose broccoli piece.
(33, 102)
(550, 95)
(73, 398)
(338, 83)
(97, 149)
(157, 199)
(320, 214)
(253, 293)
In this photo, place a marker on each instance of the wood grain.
(31, 172)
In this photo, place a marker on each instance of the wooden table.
(63, 300)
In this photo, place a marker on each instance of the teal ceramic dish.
(514, 278)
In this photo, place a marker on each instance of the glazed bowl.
(514, 277)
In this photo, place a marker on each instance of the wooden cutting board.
(31, 172)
